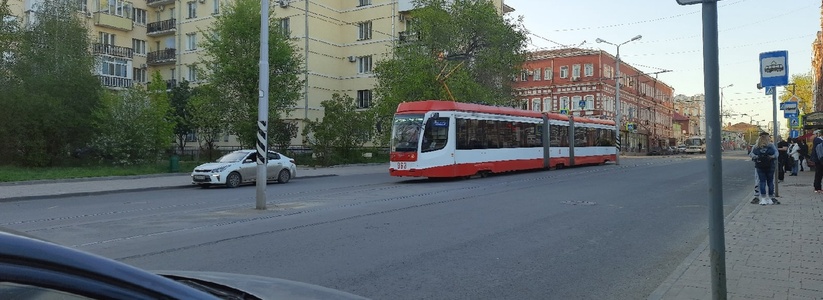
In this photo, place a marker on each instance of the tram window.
(535, 135)
(492, 135)
(463, 136)
(580, 136)
(435, 135)
(605, 137)
(560, 136)
(477, 134)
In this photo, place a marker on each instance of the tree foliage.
(342, 130)
(803, 88)
(134, 124)
(208, 117)
(46, 70)
(479, 49)
(179, 98)
(232, 56)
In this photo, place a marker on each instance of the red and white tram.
(450, 139)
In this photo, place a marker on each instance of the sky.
(672, 40)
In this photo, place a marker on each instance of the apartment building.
(581, 82)
(692, 107)
(341, 41)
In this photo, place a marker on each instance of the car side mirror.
(248, 160)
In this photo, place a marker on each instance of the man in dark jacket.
(804, 152)
(782, 158)
(818, 167)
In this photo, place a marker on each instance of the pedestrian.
(804, 153)
(794, 156)
(818, 166)
(763, 154)
(756, 198)
(782, 158)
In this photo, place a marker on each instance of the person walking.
(756, 198)
(794, 155)
(763, 155)
(782, 158)
(804, 153)
(818, 166)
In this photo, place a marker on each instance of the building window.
(117, 8)
(139, 75)
(564, 102)
(113, 66)
(193, 73)
(546, 102)
(523, 75)
(364, 2)
(192, 8)
(139, 46)
(547, 74)
(588, 70)
(577, 101)
(215, 7)
(536, 104)
(364, 30)
(139, 16)
(106, 38)
(607, 69)
(363, 98)
(285, 27)
(191, 41)
(576, 71)
(589, 101)
(537, 74)
(82, 5)
(564, 72)
(364, 64)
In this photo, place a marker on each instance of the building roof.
(678, 117)
(564, 52)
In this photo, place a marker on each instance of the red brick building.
(581, 82)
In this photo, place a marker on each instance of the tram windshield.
(406, 132)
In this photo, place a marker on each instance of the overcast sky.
(672, 39)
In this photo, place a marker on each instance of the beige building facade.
(341, 42)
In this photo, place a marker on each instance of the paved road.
(603, 232)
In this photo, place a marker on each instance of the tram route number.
(401, 165)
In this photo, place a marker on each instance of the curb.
(76, 194)
(678, 272)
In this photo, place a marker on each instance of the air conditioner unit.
(575, 78)
(531, 72)
(88, 14)
(162, 7)
(352, 58)
(402, 17)
(201, 1)
(283, 3)
(143, 66)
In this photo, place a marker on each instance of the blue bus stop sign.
(774, 68)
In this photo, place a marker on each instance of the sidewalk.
(772, 252)
(94, 186)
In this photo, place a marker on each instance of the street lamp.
(750, 129)
(617, 91)
(721, 104)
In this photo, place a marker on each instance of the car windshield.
(232, 157)
(406, 132)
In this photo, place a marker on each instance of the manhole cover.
(578, 202)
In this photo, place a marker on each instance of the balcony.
(162, 57)
(115, 82)
(156, 3)
(161, 27)
(112, 21)
(171, 83)
(112, 50)
(406, 36)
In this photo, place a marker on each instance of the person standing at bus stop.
(782, 158)
(764, 154)
(756, 178)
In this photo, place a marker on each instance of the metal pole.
(774, 134)
(263, 106)
(306, 66)
(711, 85)
(617, 104)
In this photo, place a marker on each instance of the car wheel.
(284, 176)
(233, 180)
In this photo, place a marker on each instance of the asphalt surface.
(600, 232)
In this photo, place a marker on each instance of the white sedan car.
(240, 167)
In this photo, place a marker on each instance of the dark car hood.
(261, 287)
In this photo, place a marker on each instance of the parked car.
(32, 268)
(240, 167)
(681, 149)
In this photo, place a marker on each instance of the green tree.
(469, 41)
(342, 130)
(9, 38)
(803, 88)
(179, 99)
(53, 86)
(232, 56)
(208, 117)
(134, 124)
